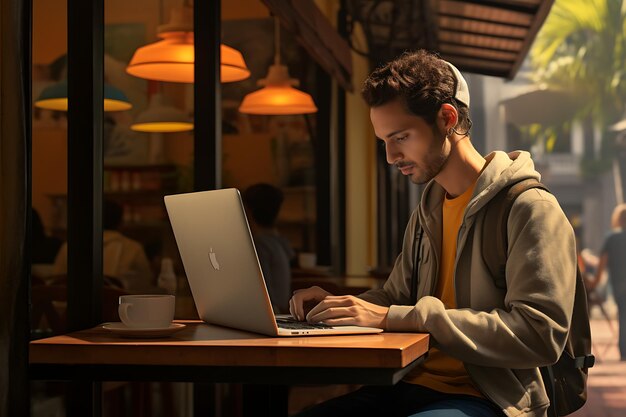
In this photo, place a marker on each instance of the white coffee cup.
(307, 260)
(147, 311)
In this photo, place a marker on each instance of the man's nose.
(393, 155)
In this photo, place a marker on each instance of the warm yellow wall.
(50, 22)
(360, 167)
(361, 215)
(247, 157)
(49, 145)
(49, 169)
(244, 9)
(49, 30)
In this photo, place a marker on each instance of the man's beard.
(434, 160)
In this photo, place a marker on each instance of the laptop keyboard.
(293, 324)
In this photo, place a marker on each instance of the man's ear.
(447, 117)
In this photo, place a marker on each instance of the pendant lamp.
(54, 97)
(278, 97)
(172, 58)
(161, 117)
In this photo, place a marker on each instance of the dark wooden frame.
(85, 70)
(207, 96)
(16, 184)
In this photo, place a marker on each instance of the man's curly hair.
(422, 80)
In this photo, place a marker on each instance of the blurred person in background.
(123, 258)
(613, 259)
(262, 203)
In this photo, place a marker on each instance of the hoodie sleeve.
(532, 328)
(396, 289)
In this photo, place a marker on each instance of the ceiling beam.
(511, 5)
(478, 10)
(487, 60)
(459, 15)
(486, 48)
(478, 33)
(316, 34)
(540, 17)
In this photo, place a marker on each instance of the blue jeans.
(403, 400)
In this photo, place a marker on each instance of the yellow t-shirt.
(439, 371)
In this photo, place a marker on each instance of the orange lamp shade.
(278, 97)
(278, 100)
(172, 59)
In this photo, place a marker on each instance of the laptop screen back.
(220, 259)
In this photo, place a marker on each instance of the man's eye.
(401, 138)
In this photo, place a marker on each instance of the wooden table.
(206, 353)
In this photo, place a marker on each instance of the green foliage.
(593, 167)
(549, 136)
(582, 48)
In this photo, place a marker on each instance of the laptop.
(223, 270)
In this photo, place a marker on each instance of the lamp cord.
(160, 13)
(276, 41)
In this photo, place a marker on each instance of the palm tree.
(582, 48)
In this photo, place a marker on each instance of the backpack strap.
(495, 247)
(547, 374)
(417, 259)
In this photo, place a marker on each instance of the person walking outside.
(613, 259)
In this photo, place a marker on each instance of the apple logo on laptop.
(213, 259)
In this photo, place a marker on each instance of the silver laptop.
(223, 270)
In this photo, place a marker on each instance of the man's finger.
(329, 313)
(292, 310)
(298, 304)
(331, 301)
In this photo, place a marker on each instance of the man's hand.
(305, 296)
(348, 310)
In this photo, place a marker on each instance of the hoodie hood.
(502, 169)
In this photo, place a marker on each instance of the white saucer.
(122, 330)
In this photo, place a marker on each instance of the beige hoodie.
(123, 258)
(502, 336)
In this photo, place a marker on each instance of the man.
(487, 342)
(263, 202)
